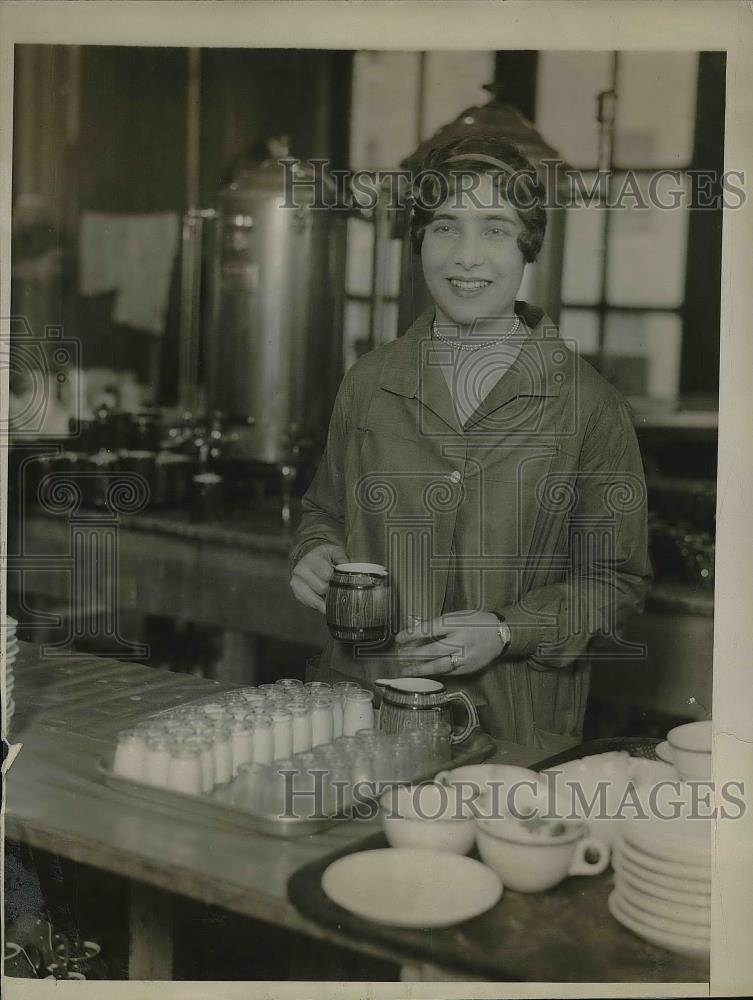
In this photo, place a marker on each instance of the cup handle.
(580, 866)
(471, 724)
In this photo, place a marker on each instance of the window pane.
(454, 81)
(647, 248)
(584, 228)
(357, 315)
(581, 326)
(384, 108)
(389, 330)
(650, 342)
(566, 90)
(655, 108)
(359, 257)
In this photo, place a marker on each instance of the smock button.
(455, 476)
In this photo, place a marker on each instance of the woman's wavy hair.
(516, 179)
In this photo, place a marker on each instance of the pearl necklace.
(475, 347)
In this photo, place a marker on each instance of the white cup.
(533, 864)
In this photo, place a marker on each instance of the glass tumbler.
(282, 733)
(322, 720)
(222, 749)
(302, 733)
(338, 711)
(184, 770)
(288, 683)
(242, 743)
(130, 755)
(157, 760)
(438, 735)
(412, 756)
(204, 745)
(251, 787)
(358, 712)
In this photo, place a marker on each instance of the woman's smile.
(467, 287)
(471, 260)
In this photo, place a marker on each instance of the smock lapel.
(409, 373)
(535, 371)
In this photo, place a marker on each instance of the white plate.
(628, 876)
(693, 873)
(691, 947)
(663, 925)
(678, 885)
(411, 887)
(683, 913)
(681, 841)
(664, 752)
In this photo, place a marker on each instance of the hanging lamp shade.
(498, 117)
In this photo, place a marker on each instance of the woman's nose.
(468, 252)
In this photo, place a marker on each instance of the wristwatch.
(504, 633)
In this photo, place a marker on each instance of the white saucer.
(676, 913)
(677, 885)
(628, 876)
(664, 752)
(690, 872)
(411, 887)
(663, 925)
(681, 841)
(691, 947)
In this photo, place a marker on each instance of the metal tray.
(203, 808)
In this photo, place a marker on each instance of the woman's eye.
(442, 228)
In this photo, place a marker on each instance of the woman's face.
(471, 260)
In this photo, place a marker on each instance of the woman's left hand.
(466, 642)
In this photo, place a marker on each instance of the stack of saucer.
(11, 652)
(663, 882)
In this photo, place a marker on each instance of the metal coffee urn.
(261, 316)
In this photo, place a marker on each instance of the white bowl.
(430, 816)
(691, 750)
(695, 736)
(651, 772)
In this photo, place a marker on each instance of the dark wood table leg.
(150, 953)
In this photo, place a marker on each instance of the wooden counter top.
(68, 711)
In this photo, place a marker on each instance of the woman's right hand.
(312, 573)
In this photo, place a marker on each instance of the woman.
(493, 471)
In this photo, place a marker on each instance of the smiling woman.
(491, 470)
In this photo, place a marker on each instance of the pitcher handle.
(473, 721)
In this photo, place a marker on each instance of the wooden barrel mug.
(358, 602)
